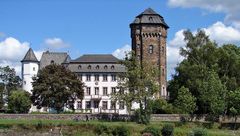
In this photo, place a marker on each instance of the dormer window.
(150, 19)
(150, 49)
(52, 61)
(89, 67)
(112, 67)
(97, 67)
(105, 67)
(79, 67)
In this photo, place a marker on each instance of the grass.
(81, 128)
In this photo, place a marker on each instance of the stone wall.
(112, 117)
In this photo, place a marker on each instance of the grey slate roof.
(102, 68)
(30, 56)
(55, 57)
(96, 58)
(99, 63)
(149, 16)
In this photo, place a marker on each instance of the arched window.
(52, 61)
(79, 67)
(150, 49)
(112, 67)
(89, 66)
(97, 67)
(105, 67)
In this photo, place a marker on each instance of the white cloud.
(56, 43)
(230, 7)
(12, 52)
(178, 40)
(121, 52)
(222, 33)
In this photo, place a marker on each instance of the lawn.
(81, 128)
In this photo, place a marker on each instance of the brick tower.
(149, 34)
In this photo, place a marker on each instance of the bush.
(142, 118)
(121, 131)
(167, 130)
(198, 132)
(153, 130)
(102, 129)
(19, 101)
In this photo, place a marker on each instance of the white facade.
(97, 94)
(29, 70)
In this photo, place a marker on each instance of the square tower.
(149, 34)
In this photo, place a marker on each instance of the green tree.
(56, 87)
(185, 102)
(234, 103)
(213, 95)
(138, 84)
(19, 101)
(8, 81)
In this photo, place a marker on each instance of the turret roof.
(30, 56)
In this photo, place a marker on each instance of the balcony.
(96, 97)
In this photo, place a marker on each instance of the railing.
(94, 96)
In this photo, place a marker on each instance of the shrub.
(121, 131)
(153, 130)
(19, 101)
(198, 132)
(167, 130)
(102, 129)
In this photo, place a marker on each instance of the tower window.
(89, 67)
(97, 67)
(79, 67)
(52, 61)
(162, 49)
(138, 46)
(105, 67)
(150, 49)
(33, 68)
(163, 71)
(112, 67)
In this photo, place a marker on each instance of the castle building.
(99, 72)
(149, 34)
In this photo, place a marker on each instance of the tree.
(234, 103)
(8, 81)
(56, 87)
(185, 102)
(19, 101)
(140, 85)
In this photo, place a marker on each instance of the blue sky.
(102, 26)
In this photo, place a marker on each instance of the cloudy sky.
(90, 26)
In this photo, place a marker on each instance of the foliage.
(8, 81)
(198, 132)
(56, 87)
(19, 101)
(153, 130)
(121, 131)
(161, 106)
(167, 130)
(207, 69)
(102, 129)
(139, 85)
(185, 101)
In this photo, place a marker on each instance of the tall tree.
(185, 102)
(199, 72)
(139, 83)
(56, 87)
(8, 81)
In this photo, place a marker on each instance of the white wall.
(29, 69)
